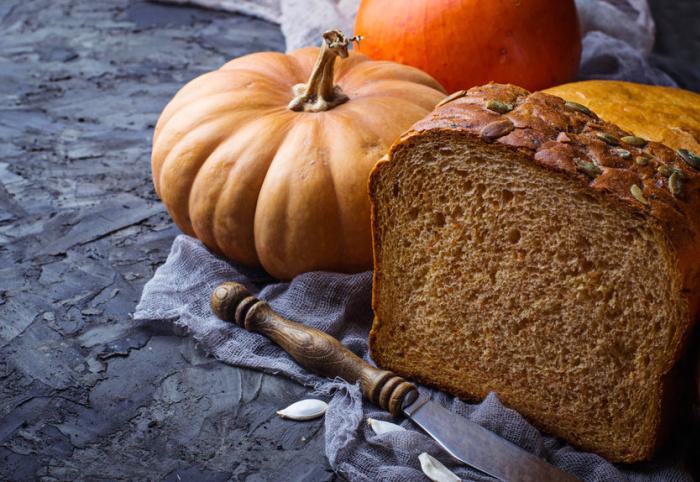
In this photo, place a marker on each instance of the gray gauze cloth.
(339, 305)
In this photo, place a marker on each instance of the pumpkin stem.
(319, 94)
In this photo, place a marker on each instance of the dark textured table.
(85, 394)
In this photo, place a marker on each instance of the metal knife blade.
(480, 448)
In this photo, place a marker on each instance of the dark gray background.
(83, 393)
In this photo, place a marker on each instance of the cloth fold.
(339, 304)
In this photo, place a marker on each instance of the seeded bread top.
(668, 115)
(647, 177)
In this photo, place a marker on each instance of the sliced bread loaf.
(524, 246)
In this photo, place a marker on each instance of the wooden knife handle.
(311, 348)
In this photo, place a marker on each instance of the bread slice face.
(496, 272)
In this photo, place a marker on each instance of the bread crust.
(573, 141)
(668, 115)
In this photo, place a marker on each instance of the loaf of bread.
(524, 246)
(663, 114)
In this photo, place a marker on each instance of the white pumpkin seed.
(304, 410)
(434, 469)
(381, 427)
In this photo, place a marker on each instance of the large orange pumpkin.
(270, 170)
(463, 43)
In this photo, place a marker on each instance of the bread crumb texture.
(512, 255)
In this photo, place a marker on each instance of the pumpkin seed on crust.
(497, 128)
(680, 172)
(588, 168)
(575, 106)
(634, 141)
(665, 170)
(608, 138)
(623, 153)
(690, 158)
(638, 194)
(451, 97)
(500, 107)
(643, 159)
(670, 171)
(675, 184)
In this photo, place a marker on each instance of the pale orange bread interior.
(502, 264)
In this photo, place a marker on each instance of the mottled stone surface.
(84, 395)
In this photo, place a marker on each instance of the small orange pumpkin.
(270, 170)
(462, 43)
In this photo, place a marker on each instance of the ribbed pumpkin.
(464, 43)
(270, 170)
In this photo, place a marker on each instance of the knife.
(319, 352)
